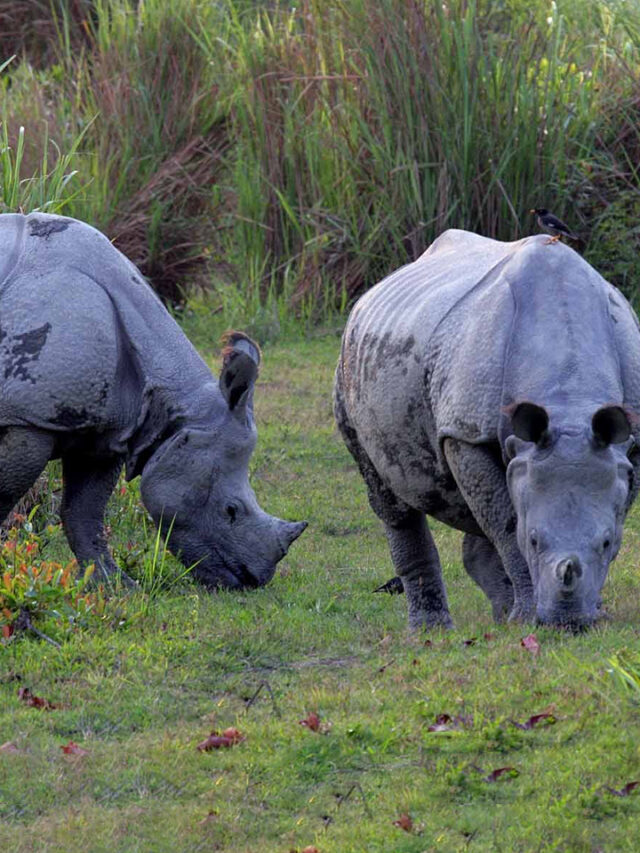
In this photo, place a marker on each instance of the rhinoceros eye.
(231, 511)
(533, 539)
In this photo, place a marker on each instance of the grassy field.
(142, 686)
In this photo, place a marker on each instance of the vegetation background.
(280, 156)
(262, 164)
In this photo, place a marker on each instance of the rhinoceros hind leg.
(416, 561)
(88, 483)
(24, 451)
(483, 564)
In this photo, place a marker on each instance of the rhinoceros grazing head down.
(196, 487)
(570, 489)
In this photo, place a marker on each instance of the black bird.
(552, 225)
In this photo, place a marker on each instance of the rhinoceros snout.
(287, 532)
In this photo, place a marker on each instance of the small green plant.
(33, 589)
(625, 667)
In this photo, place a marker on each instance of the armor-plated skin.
(94, 370)
(494, 387)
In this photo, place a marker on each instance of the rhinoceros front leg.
(416, 561)
(481, 479)
(483, 564)
(88, 483)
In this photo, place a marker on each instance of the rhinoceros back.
(78, 324)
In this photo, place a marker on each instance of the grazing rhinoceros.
(495, 387)
(96, 372)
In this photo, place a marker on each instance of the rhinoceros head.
(570, 489)
(196, 487)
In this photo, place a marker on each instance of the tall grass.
(302, 152)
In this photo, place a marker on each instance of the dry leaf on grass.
(72, 748)
(404, 822)
(501, 772)
(311, 722)
(211, 815)
(229, 737)
(9, 747)
(530, 643)
(447, 723)
(532, 722)
(623, 792)
(26, 696)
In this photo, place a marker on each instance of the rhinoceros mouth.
(245, 577)
(230, 577)
(569, 621)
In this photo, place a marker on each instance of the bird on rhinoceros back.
(463, 393)
(554, 226)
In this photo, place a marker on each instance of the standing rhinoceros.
(96, 372)
(495, 387)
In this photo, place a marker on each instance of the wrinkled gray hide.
(495, 387)
(96, 372)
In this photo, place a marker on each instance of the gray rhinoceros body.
(94, 370)
(493, 386)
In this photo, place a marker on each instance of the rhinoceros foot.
(422, 619)
(523, 611)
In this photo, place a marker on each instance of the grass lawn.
(139, 691)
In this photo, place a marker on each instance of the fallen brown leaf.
(311, 722)
(310, 849)
(404, 822)
(509, 772)
(233, 734)
(9, 747)
(530, 643)
(229, 737)
(211, 815)
(72, 748)
(532, 722)
(26, 696)
(623, 792)
(447, 723)
(7, 630)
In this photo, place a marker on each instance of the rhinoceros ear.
(530, 422)
(610, 425)
(240, 360)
